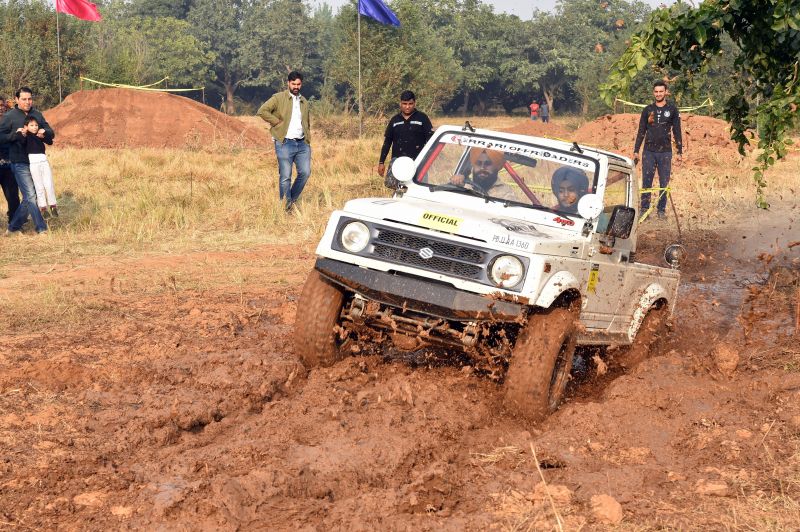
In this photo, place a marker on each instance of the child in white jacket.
(40, 168)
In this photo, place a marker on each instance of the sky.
(522, 8)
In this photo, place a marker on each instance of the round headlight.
(507, 271)
(355, 237)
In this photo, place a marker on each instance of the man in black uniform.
(657, 121)
(407, 133)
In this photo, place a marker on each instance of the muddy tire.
(318, 311)
(539, 368)
(652, 329)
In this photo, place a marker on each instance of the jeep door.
(609, 264)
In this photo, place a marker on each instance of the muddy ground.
(187, 409)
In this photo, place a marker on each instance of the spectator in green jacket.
(287, 113)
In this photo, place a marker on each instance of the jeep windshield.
(508, 171)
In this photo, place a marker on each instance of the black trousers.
(10, 189)
(652, 161)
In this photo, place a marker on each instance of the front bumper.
(419, 295)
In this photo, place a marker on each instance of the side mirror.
(590, 206)
(403, 169)
(621, 222)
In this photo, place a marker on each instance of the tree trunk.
(480, 107)
(230, 88)
(465, 107)
(230, 107)
(548, 97)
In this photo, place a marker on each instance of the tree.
(184, 59)
(280, 39)
(178, 9)
(609, 24)
(133, 50)
(21, 48)
(393, 59)
(28, 47)
(219, 25)
(479, 45)
(567, 47)
(766, 33)
(255, 42)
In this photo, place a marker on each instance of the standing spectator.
(544, 112)
(406, 133)
(40, 167)
(287, 113)
(534, 107)
(7, 181)
(655, 124)
(11, 124)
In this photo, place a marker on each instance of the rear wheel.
(652, 329)
(316, 339)
(540, 364)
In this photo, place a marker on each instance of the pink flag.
(81, 9)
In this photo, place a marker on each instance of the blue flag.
(376, 9)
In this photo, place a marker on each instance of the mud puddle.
(191, 411)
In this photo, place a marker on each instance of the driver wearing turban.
(486, 164)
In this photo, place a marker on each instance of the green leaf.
(700, 34)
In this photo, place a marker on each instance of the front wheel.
(540, 364)
(316, 339)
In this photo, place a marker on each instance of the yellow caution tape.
(140, 87)
(653, 204)
(159, 82)
(706, 103)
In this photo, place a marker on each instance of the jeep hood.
(498, 228)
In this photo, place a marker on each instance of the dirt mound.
(116, 118)
(706, 140)
(539, 129)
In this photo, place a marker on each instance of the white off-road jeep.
(503, 251)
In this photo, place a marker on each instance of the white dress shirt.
(295, 130)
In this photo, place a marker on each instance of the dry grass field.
(147, 377)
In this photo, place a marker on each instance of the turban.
(497, 157)
(577, 178)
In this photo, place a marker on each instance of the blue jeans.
(22, 174)
(650, 162)
(296, 152)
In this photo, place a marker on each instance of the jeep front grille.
(453, 259)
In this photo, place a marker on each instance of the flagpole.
(360, 115)
(58, 48)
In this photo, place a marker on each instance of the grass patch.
(49, 304)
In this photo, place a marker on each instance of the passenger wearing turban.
(569, 185)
